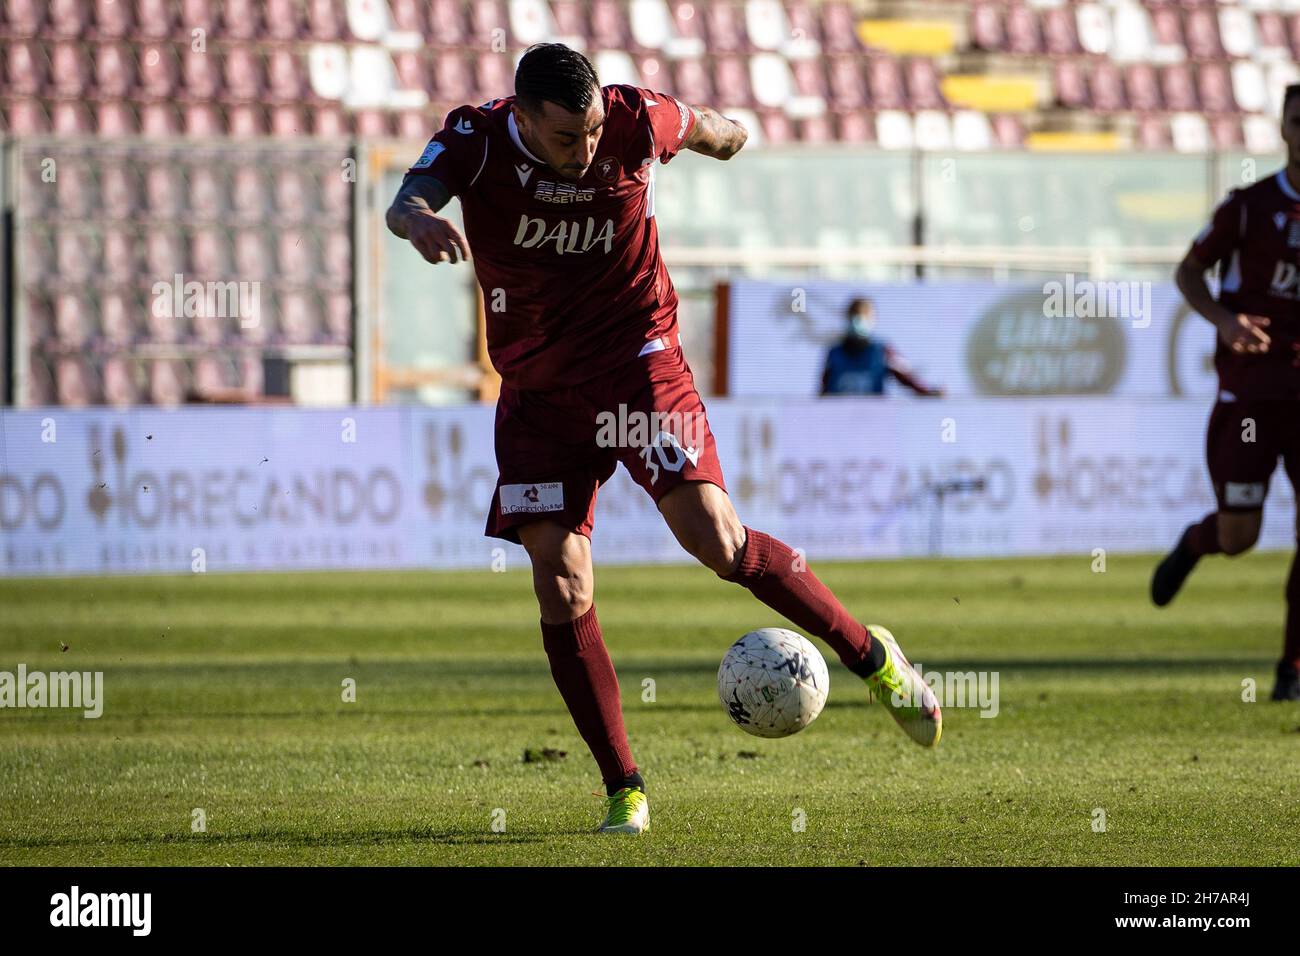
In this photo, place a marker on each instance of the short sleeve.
(456, 154)
(668, 120)
(1225, 228)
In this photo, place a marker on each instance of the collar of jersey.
(1285, 185)
(514, 135)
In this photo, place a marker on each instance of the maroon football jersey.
(572, 281)
(1255, 236)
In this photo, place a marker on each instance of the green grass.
(224, 693)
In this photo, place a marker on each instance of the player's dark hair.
(552, 71)
(1292, 92)
(855, 304)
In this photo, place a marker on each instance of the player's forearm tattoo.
(419, 195)
(715, 135)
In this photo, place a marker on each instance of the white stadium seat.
(769, 76)
(971, 131)
(1190, 132)
(530, 21)
(766, 24)
(894, 130)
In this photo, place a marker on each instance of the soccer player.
(1255, 236)
(860, 362)
(557, 187)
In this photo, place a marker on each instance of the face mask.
(860, 326)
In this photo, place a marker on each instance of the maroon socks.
(780, 578)
(585, 676)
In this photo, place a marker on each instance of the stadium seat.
(162, 190)
(117, 321)
(283, 20)
(494, 76)
(116, 119)
(114, 70)
(201, 77)
(857, 126)
(1260, 135)
(164, 254)
(69, 70)
(885, 81)
(894, 130)
(1237, 32)
(817, 130)
(154, 19)
(848, 90)
(609, 28)
(839, 29)
(202, 121)
(1249, 87)
(252, 256)
(771, 81)
(1022, 33)
(987, 30)
(287, 121)
(571, 26)
(367, 20)
(209, 255)
(206, 193)
(1201, 34)
(412, 124)
(199, 15)
(692, 81)
(1008, 131)
(1177, 88)
(1133, 37)
(766, 24)
(72, 320)
(1094, 29)
(246, 121)
(76, 384)
(1190, 133)
(372, 124)
(732, 81)
(530, 22)
(1167, 36)
(71, 118)
(1225, 132)
(1143, 86)
(452, 78)
(1059, 35)
(166, 383)
(726, 28)
(25, 69)
(324, 21)
(923, 84)
(159, 120)
(240, 19)
(242, 72)
(810, 90)
(1107, 87)
(338, 318)
(329, 122)
(249, 198)
(932, 131)
(971, 131)
(159, 71)
(120, 388)
(284, 76)
(112, 19)
(486, 18)
(778, 129)
(1214, 88)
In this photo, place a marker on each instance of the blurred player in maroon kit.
(557, 185)
(1255, 238)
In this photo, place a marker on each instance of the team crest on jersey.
(608, 169)
(428, 156)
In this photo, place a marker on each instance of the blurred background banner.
(280, 489)
(1066, 335)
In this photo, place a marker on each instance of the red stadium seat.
(117, 318)
(857, 127)
(119, 191)
(76, 384)
(810, 78)
(1023, 36)
(1215, 88)
(114, 70)
(153, 19)
(295, 254)
(492, 76)
(198, 15)
(249, 194)
(159, 71)
(120, 388)
(848, 90)
(885, 81)
(1201, 30)
(284, 71)
(27, 118)
(207, 193)
(25, 69)
(76, 258)
(72, 320)
(335, 194)
(166, 383)
(839, 28)
(287, 121)
(116, 118)
(1070, 84)
(447, 20)
(202, 121)
(1273, 44)
(486, 17)
(986, 27)
(923, 84)
(1107, 87)
(817, 130)
(1059, 36)
(120, 256)
(412, 124)
(71, 118)
(324, 21)
(242, 70)
(252, 255)
(329, 122)
(164, 254)
(411, 70)
(1178, 89)
(159, 120)
(731, 79)
(693, 82)
(246, 121)
(241, 19)
(297, 320)
(1143, 87)
(1008, 131)
(24, 18)
(372, 124)
(1225, 132)
(283, 20)
(778, 129)
(452, 78)
(408, 17)
(202, 79)
(726, 29)
(163, 191)
(1167, 33)
(609, 27)
(112, 19)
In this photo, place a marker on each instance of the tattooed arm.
(413, 216)
(715, 135)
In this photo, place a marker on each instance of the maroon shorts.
(1243, 443)
(555, 447)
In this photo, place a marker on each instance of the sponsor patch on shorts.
(1239, 494)
(526, 499)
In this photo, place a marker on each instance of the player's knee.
(718, 545)
(562, 576)
(1237, 538)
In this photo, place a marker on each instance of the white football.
(773, 682)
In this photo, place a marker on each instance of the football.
(773, 682)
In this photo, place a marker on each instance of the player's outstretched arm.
(1240, 332)
(715, 135)
(413, 216)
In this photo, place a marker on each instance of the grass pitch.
(223, 694)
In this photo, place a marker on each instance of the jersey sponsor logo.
(429, 155)
(532, 498)
(523, 171)
(1243, 494)
(566, 235)
(464, 127)
(608, 169)
(1286, 281)
(562, 194)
